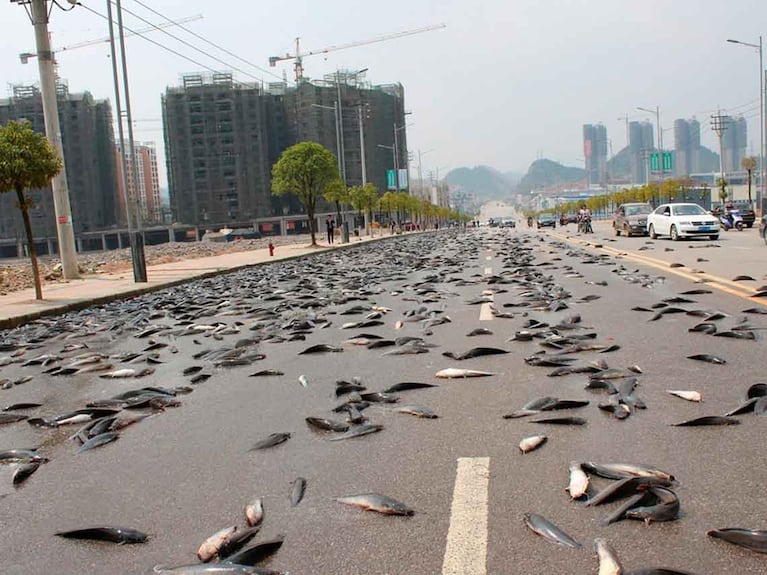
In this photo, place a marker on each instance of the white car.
(682, 220)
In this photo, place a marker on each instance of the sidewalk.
(20, 307)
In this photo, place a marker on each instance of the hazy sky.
(506, 82)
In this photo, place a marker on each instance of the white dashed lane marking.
(466, 550)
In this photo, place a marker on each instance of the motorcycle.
(731, 219)
(584, 225)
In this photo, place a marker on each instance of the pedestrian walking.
(330, 227)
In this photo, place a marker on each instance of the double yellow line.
(714, 281)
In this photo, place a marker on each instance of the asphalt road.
(185, 473)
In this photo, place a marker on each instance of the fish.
(452, 372)
(254, 554)
(708, 420)
(326, 424)
(11, 417)
(21, 456)
(417, 410)
(379, 397)
(623, 470)
(707, 358)
(666, 509)
(658, 571)
(743, 278)
(757, 390)
(378, 503)
(579, 481)
(543, 527)
(303, 381)
(533, 407)
(751, 539)
(474, 352)
(747, 406)
(695, 396)
(254, 512)
(237, 540)
(532, 443)
(359, 431)
(321, 348)
(200, 377)
(619, 513)
(406, 386)
(297, 491)
(608, 559)
(270, 441)
(119, 535)
(479, 331)
(19, 406)
(23, 472)
(211, 546)
(119, 374)
(561, 421)
(98, 441)
(266, 372)
(625, 487)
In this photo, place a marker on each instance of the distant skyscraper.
(88, 139)
(687, 154)
(146, 187)
(641, 143)
(734, 141)
(595, 152)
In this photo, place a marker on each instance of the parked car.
(546, 220)
(508, 223)
(631, 219)
(763, 228)
(681, 220)
(565, 219)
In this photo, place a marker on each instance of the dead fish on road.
(608, 559)
(452, 372)
(475, 352)
(708, 420)
(266, 372)
(128, 372)
(359, 431)
(98, 441)
(417, 410)
(550, 532)
(479, 331)
(252, 555)
(297, 490)
(707, 358)
(23, 472)
(17, 406)
(561, 421)
(751, 539)
(271, 441)
(326, 424)
(665, 509)
(531, 443)
(321, 348)
(211, 546)
(254, 512)
(406, 386)
(120, 535)
(378, 503)
(688, 395)
(11, 417)
(623, 470)
(579, 481)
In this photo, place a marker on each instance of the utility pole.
(137, 240)
(628, 139)
(362, 144)
(341, 126)
(719, 126)
(396, 163)
(63, 211)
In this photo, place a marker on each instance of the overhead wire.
(158, 44)
(218, 47)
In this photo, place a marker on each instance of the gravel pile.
(16, 274)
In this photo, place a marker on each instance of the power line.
(192, 46)
(196, 35)
(166, 48)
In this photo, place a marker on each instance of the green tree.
(27, 160)
(336, 191)
(305, 169)
(722, 183)
(749, 164)
(364, 200)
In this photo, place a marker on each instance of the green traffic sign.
(668, 162)
(391, 180)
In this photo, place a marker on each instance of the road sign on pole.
(391, 180)
(655, 160)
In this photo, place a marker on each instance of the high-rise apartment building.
(734, 142)
(222, 139)
(143, 183)
(88, 139)
(595, 151)
(687, 150)
(641, 143)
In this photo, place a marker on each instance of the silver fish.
(531, 443)
(378, 503)
(210, 547)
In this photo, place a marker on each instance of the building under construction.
(88, 139)
(222, 138)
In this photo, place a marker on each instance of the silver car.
(631, 219)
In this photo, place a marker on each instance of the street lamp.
(334, 107)
(420, 173)
(760, 192)
(656, 111)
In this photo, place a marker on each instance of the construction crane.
(25, 56)
(298, 56)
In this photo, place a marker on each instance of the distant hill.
(483, 181)
(544, 173)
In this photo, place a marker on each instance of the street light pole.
(63, 211)
(761, 191)
(660, 146)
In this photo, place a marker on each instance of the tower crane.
(25, 56)
(299, 56)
